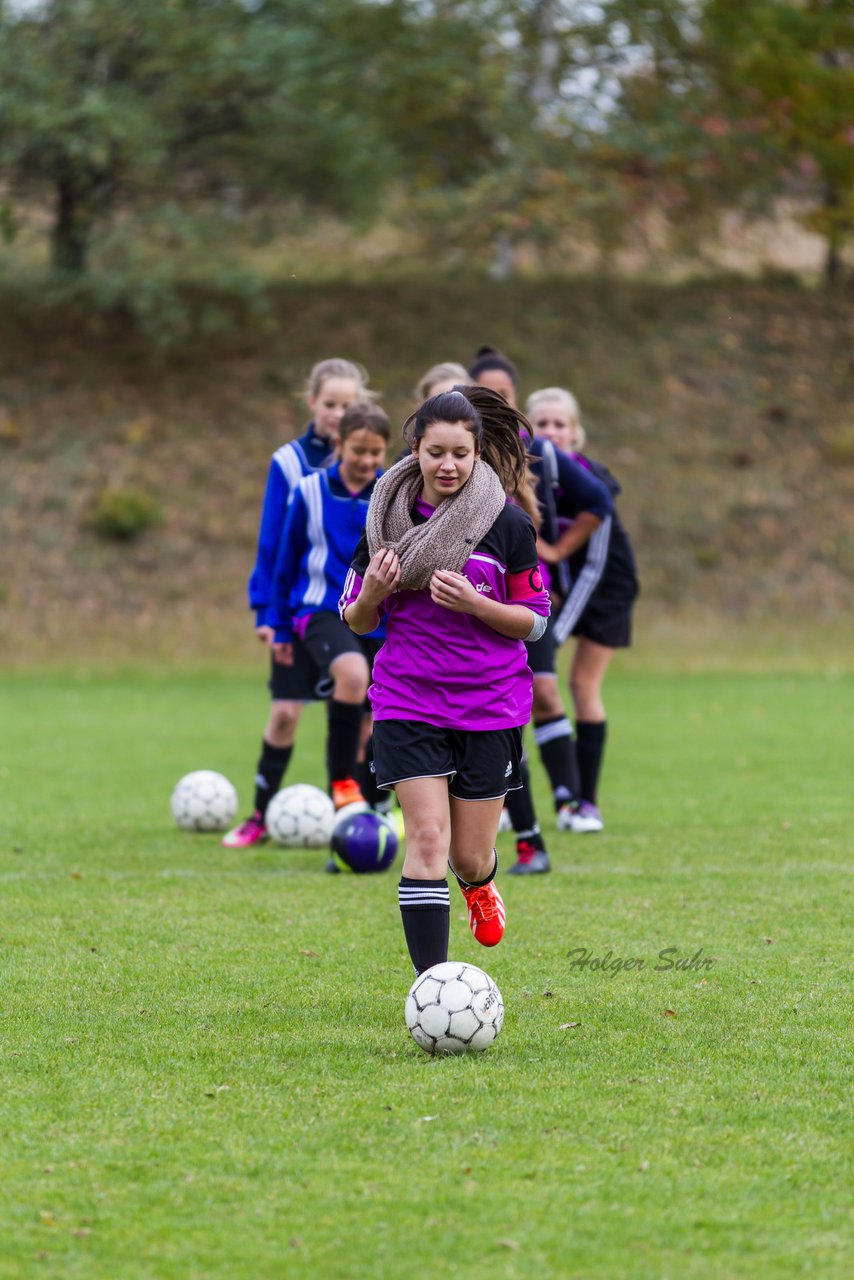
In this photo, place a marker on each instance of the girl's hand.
(547, 553)
(382, 576)
(453, 591)
(265, 634)
(284, 654)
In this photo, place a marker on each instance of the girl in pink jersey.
(453, 568)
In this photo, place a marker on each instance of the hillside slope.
(724, 410)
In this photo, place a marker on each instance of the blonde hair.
(446, 371)
(337, 368)
(569, 402)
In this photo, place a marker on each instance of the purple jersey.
(450, 669)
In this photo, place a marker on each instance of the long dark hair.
(498, 432)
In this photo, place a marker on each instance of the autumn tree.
(732, 103)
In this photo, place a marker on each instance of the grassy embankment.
(723, 408)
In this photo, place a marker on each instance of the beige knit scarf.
(448, 538)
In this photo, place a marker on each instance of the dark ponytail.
(491, 358)
(502, 446)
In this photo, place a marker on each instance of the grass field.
(205, 1070)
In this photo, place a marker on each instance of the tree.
(731, 103)
(791, 64)
(104, 102)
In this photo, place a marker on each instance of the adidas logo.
(509, 769)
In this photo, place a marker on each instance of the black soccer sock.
(478, 884)
(342, 743)
(367, 780)
(557, 752)
(520, 806)
(425, 910)
(591, 749)
(272, 764)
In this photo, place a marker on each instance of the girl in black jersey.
(564, 490)
(598, 609)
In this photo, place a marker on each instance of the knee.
(350, 690)
(427, 838)
(284, 717)
(580, 688)
(351, 682)
(547, 703)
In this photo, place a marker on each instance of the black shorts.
(610, 626)
(326, 638)
(542, 653)
(480, 764)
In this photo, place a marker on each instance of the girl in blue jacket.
(319, 654)
(333, 385)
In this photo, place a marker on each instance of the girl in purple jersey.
(453, 567)
(598, 609)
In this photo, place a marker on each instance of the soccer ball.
(300, 817)
(362, 842)
(454, 1008)
(204, 801)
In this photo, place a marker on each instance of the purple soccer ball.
(364, 842)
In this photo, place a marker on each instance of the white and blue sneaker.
(586, 818)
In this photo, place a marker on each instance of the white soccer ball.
(300, 817)
(454, 1008)
(204, 801)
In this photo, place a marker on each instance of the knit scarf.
(448, 538)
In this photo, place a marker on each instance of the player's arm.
(292, 549)
(453, 591)
(524, 614)
(585, 500)
(273, 511)
(361, 603)
(584, 525)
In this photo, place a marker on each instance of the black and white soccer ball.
(454, 1008)
(300, 817)
(204, 801)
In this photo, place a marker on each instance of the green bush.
(839, 447)
(123, 514)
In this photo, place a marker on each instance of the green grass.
(205, 1070)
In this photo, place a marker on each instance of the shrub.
(123, 514)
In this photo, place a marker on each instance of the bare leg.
(474, 826)
(282, 723)
(427, 823)
(589, 665)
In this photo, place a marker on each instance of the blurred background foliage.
(233, 142)
(651, 201)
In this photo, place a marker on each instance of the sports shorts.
(325, 638)
(608, 625)
(480, 764)
(542, 653)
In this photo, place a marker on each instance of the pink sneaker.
(252, 831)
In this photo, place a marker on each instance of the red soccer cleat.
(346, 791)
(486, 913)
